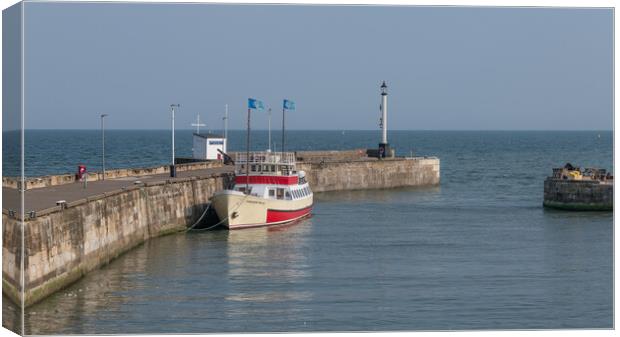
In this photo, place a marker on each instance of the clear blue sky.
(446, 68)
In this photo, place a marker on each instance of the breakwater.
(325, 176)
(578, 195)
(62, 243)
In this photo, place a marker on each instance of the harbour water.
(477, 252)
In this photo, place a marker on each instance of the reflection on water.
(11, 315)
(266, 267)
(181, 282)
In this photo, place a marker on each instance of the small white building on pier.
(206, 146)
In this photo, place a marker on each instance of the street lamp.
(103, 146)
(173, 172)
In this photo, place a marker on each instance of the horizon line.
(278, 130)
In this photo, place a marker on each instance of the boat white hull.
(243, 211)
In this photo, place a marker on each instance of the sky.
(447, 68)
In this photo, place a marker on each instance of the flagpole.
(226, 126)
(247, 158)
(283, 109)
(269, 129)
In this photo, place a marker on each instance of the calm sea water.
(477, 252)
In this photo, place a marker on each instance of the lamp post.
(173, 172)
(103, 146)
(226, 129)
(269, 130)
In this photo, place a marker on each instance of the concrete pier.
(575, 195)
(107, 218)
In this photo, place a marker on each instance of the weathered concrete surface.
(69, 178)
(11, 257)
(371, 173)
(317, 156)
(62, 244)
(578, 195)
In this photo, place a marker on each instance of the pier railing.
(265, 158)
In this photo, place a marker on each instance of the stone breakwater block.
(576, 195)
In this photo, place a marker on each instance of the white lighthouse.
(384, 149)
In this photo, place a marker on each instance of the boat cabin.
(270, 175)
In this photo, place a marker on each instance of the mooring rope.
(217, 224)
(199, 219)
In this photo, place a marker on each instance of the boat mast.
(226, 124)
(247, 158)
(283, 109)
(269, 129)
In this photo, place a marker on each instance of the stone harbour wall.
(61, 245)
(371, 173)
(578, 195)
(11, 256)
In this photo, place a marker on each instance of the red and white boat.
(268, 191)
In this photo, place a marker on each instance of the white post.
(226, 129)
(172, 169)
(269, 130)
(103, 146)
(384, 113)
(173, 135)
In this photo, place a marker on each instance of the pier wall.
(61, 245)
(579, 195)
(371, 174)
(64, 243)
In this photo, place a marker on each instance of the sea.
(477, 252)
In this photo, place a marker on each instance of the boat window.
(265, 168)
(253, 168)
(242, 189)
(272, 193)
(280, 193)
(288, 195)
(273, 168)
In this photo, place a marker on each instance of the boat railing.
(265, 158)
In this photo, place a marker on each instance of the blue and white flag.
(255, 104)
(289, 105)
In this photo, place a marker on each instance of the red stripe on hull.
(272, 180)
(280, 216)
(273, 223)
